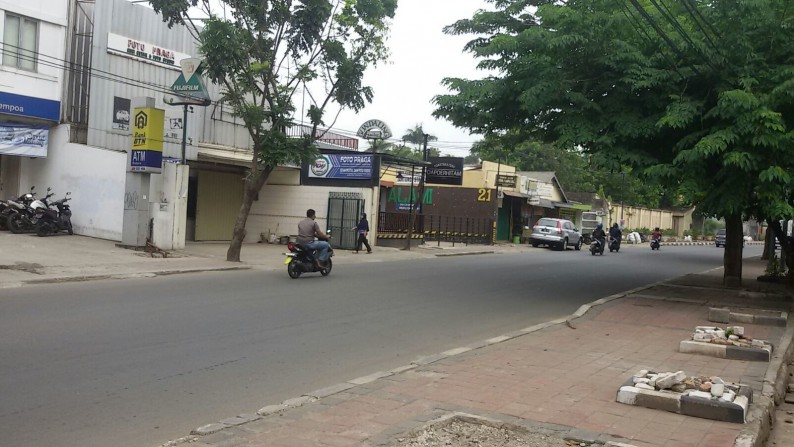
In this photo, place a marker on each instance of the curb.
(65, 279)
(761, 415)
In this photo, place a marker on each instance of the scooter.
(614, 244)
(596, 247)
(655, 244)
(301, 259)
(12, 205)
(50, 220)
(23, 219)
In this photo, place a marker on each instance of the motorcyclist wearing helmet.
(615, 233)
(599, 234)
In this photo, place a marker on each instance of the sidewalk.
(558, 379)
(28, 259)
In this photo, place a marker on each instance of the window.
(20, 42)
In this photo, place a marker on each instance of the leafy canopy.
(697, 95)
(264, 51)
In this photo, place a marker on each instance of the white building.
(31, 84)
(132, 54)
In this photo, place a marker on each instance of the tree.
(247, 52)
(697, 95)
(416, 136)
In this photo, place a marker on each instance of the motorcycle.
(23, 219)
(49, 221)
(614, 244)
(655, 244)
(301, 259)
(596, 247)
(10, 206)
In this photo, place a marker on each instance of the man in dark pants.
(362, 229)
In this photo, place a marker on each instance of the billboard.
(28, 141)
(445, 171)
(147, 140)
(342, 167)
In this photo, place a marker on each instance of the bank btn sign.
(342, 167)
(147, 140)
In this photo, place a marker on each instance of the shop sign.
(121, 114)
(342, 167)
(29, 106)
(28, 141)
(445, 171)
(507, 181)
(147, 140)
(144, 51)
(374, 129)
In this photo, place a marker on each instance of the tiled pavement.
(562, 377)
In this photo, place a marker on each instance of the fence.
(455, 229)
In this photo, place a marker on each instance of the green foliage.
(703, 109)
(264, 50)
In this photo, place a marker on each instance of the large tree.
(698, 95)
(263, 51)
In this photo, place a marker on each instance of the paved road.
(140, 362)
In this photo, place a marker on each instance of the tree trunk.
(733, 251)
(769, 243)
(253, 184)
(786, 248)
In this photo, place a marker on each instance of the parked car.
(719, 238)
(558, 233)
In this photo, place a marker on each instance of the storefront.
(25, 124)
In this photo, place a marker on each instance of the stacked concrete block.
(704, 397)
(729, 343)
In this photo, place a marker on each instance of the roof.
(545, 177)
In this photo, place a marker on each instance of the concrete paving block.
(370, 378)
(696, 347)
(657, 400)
(328, 391)
(208, 429)
(713, 409)
(720, 315)
(241, 419)
(270, 409)
(767, 320)
(789, 398)
(743, 318)
(749, 354)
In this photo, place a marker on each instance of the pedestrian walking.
(363, 229)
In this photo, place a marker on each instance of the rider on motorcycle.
(615, 233)
(307, 230)
(599, 234)
(656, 234)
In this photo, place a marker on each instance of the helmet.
(600, 226)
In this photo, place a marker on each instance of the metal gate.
(344, 212)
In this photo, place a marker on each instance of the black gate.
(344, 212)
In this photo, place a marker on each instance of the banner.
(147, 140)
(445, 171)
(28, 141)
(342, 167)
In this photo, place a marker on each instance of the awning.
(563, 205)
(515, 194)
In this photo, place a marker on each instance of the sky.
(421, 56)
(404, 86)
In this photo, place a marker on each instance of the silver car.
(559, 233)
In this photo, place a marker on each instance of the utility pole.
(419, 200)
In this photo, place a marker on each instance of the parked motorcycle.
(23, 219)
(614, 244)
(596, 247)
(9, 206)
(655, 244)
(302, 260)
(49, 221)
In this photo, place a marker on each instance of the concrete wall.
(281, 207)
(95, 177)
(635, 217)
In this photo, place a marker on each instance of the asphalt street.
(140, 362)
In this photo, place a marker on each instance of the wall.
(95, 177)
(281, 207)
(635, 217)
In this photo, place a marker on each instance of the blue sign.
(342, 167)
(145, 161)
(30, 107)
